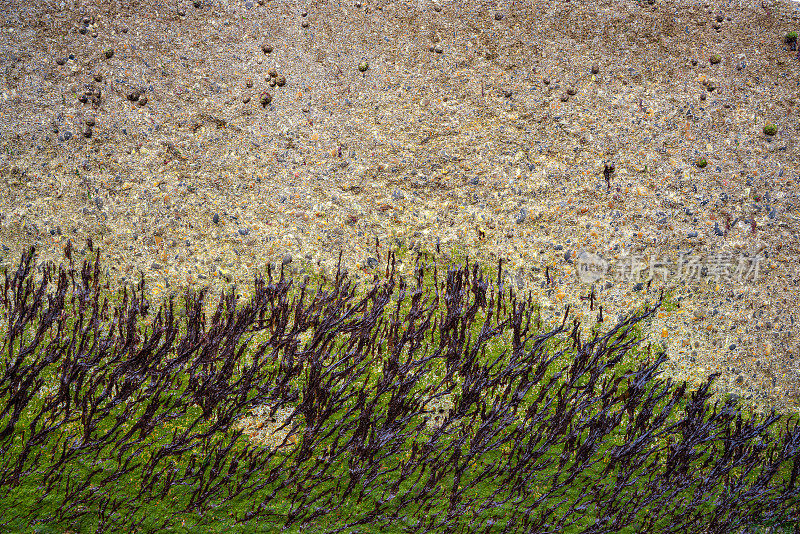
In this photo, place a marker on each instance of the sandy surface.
(461, 131)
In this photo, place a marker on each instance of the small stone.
(714, 59)
(89, 121)
(363, 66)
(498, 16)
(571, 91)
(720, 18)
(197, 4)
(271, 82)
(703, 96)
(564, 97)
(61, 61)
(372, 263)
(181, 13)
(273, 72)
(287, 259)
(109, 53)
(143, 101)
(280, 81)
(304, 13)
(82, 30)
(134, 95)
(732, 347)
(215, 218)
(304, 24)
(546, 81)
(267, 49)
(507, 93)
(246, 99)
(717, 229)
(249, 82)
(638, 287)
(438, 49)
(98, 77)
(692, 234)
(694, 62)
(244, 231)
(87, 132)
(595, 68)
(437, 8)
(522, 216)
(266, 99)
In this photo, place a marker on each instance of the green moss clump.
(770, 129)
(791, 37)
(701, 162)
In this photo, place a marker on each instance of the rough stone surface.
(425, 149)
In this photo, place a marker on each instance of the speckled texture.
(451, 136)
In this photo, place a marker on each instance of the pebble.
(244, 231)
(266, 98)
(109, 53)
(372, 263)
(287, 259)
(595, 68)
(215, 218)
(281, 81)
(266, 48)
(522, 216)
(692, 234)
(498, 16)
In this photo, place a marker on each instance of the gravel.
(424, 148)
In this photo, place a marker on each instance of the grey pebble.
(155, 266)
(522, 215)
(244, 231)
(692, 234)
(559, 247)
(215, 218)
(638, 286)
(717, 230)
(287, 259)
(372, 263)
(398, 195)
